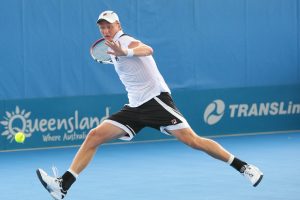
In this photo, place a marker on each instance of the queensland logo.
(14, 122)
(214, 112)
(73, 127)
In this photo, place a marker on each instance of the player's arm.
(135, 48)
(140, 49)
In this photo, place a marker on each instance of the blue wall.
(198, 44)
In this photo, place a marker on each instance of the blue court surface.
(165, 170)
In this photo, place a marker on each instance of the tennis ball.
(20, 137)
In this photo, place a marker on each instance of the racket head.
(98, 52)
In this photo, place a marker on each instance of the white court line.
(158, 140)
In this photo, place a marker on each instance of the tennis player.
(150, 105)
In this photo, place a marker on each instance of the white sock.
(231, 158)
(73, 173)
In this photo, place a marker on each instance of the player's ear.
(119, 25)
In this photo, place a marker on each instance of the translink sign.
(264, 109)
(215, 111)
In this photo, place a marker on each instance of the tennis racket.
(98, 52)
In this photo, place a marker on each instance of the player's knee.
(94, 138)
(92, 133)
(191, 139)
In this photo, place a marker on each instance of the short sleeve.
(126, 40)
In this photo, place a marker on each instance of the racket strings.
(99, 52)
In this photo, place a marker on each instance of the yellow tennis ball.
(20, 137)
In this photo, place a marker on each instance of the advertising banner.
(242, 110)
(59, 122)
(54, 122)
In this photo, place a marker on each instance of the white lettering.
(76, 119)
(243, 108)
(51, 124)
(43, 125)
(60, 123)
(68, 124)
(33, 126)
(49, 138)
(290, 107)
(281, 109)
(233, 108)
(94, 122)
(264, 109)
(74, 136)
(296, 109)
(84, 123)
(71, 126)
(106, 114)
(253, 110)
(273, 108)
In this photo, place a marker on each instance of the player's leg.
(58, 186)
(189, 137)
(167, 118)
(97, 136)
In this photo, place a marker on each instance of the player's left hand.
(116, 47)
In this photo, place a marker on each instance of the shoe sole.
(41, 180)
(258, 181)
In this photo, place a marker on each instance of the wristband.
(130, 52)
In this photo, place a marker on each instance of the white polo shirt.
(140, 75)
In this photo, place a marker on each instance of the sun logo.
(14, 122)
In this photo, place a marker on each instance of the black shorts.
(160, 113)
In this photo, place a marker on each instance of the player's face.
(108, 30)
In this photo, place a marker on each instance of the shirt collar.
(117, 35)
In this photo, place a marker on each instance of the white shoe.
(253, 174)
(52, 184)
